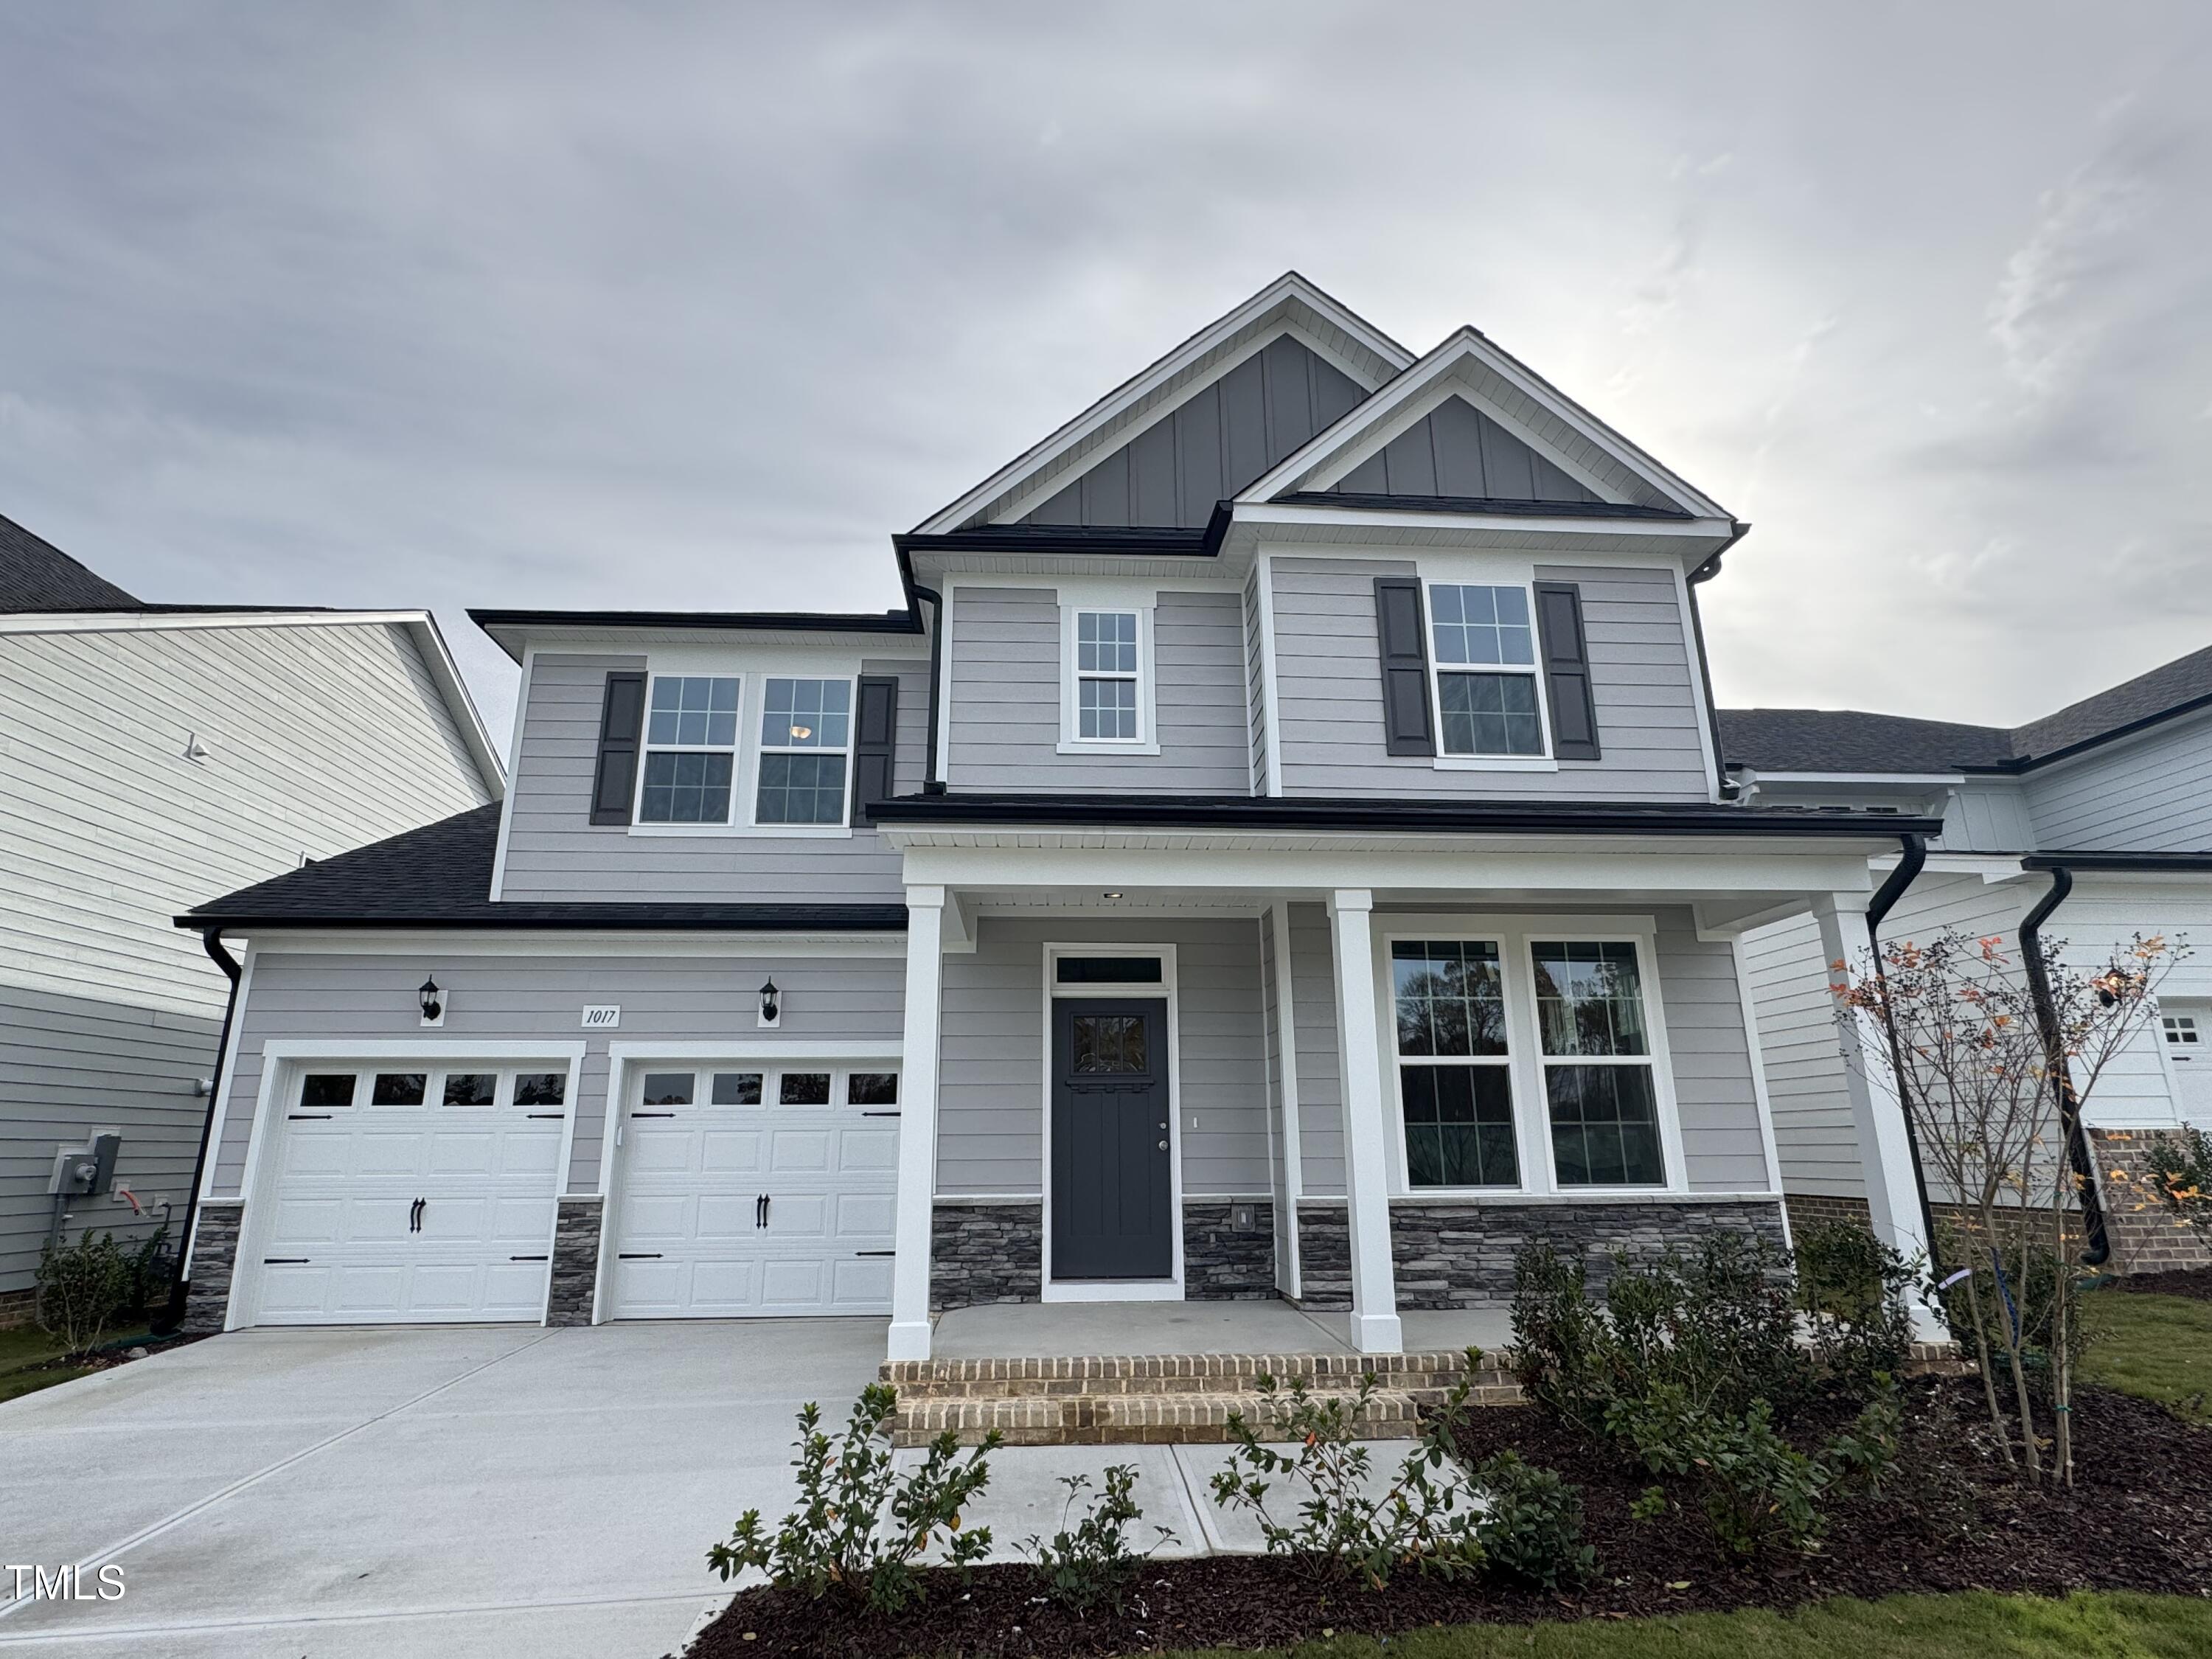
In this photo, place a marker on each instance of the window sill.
(743, 831)
(1105, 746)
(1493, 763)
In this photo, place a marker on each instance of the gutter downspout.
(1914, 848)
(930, 783)
(1705, 572)
(174, 1315)
(2099, 1249)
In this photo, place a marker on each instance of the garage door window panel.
(541, 1088)
(471, 1088)
(803, 1089)
(667, 1088)
(400, 1089)
(736, 1088)
(871, 1089)
(326, 1089)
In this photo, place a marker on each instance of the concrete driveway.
(481, 1490)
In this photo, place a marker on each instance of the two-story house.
(150, 754)
(1279, 850)
(2087, 827)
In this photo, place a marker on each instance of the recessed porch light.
(1110, 895)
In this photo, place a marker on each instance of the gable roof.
(1289, 303)
(1851, 740)
(36, 575)
(439, 876)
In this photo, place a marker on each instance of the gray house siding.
(555, 853)
(1815, 1138)
(1211, 444)
(305, 995)
(1005, 681)
(1457, 450)
(1321, 1075)
(2149, 794)
(990, 1129)
(1329, 690)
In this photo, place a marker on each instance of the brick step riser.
(1220, 1370)
(1182, 1434)
(1034, 1388)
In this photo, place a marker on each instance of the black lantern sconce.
(771, 1007)
(433, 1003)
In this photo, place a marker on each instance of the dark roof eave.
(583, 918)
(824, 622)
(1260, 815)
(2120, 863)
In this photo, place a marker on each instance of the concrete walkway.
(341, 1493)
(1057, 1329)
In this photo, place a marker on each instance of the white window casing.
(1107, 661)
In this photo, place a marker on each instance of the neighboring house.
(153, 754)
(2100, 814)
(1279, 850)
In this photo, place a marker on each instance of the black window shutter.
(621, 717)
(1566, 671)
(875, 744)
(1406, 727)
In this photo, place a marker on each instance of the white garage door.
(2187, 1028)
(411, 1193)
(751, 1190)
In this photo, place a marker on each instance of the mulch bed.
(1952, 1518)
(2195, 1282)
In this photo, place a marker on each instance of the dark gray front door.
(1112, 1206)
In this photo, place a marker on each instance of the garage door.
(755, 1190)
(419, 1192)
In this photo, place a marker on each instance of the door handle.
(1163, 1145)
(760, 1211)
(414, 1215)
(767, 1201)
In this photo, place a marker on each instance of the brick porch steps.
(1154, 1398)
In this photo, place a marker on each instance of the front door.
(1112, 1204)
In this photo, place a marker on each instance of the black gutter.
(2055, 1063)
(173, 1314)
(2122, 863)
(812, 622)
(930, 783)
(1722, 784)
(1261, 813)
(1913, 857)
(1165, 541)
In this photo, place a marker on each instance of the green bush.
(82, 1286)
(1093, 1563)
(1531, 1526)
(858, 1528)
(1851, 1288)
(2181, 1171)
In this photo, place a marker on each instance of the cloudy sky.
(651, 305)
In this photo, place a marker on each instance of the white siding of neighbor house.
(555, 854)
(1329, 690)
(2151, 794)
(320, 739)
(306, 996)
(990, 1125)
(1006, 698)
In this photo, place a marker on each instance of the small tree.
(1994, 1092)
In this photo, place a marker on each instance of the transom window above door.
(1484, 648)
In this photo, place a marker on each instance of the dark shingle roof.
(1851, 740)
(36, 575)
(440, 876)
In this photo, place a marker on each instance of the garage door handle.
(653, 1114)
(875, 1253)
(284, 1260)
(414, 1215)
(307, 1117)
(545, 1114)
(879, 1114)
(526, 1258)
(637, 1255)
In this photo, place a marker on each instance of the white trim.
(908, 1336)
(1290, 288)
(514, 769)
(1452, 760)
(1294, 1171)
(1756, 1055)
(226, 1075)
(761, 749)
(441, 1050)
(942, 621)
(1885, 780)
(1516, 531)
(1146, 676)
(1700, 685)
(1170, 1289)
(714, 1051)
(1374, 1325)
(1265, 566)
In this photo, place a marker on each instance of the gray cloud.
(652, 305)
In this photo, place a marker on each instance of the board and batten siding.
(320, 737)
(506, 1000)
(555, 854)
(1006, 698)
(2151, 794)
(1329, 690)
(991, 1106)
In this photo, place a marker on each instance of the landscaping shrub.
(81, 1287)
(1851, 1288)
(859, 1529)
(1531, 1526)
(2181, 1168)
(1093, 1563)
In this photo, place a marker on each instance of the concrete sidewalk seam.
(93, 1562)
(120, 1632)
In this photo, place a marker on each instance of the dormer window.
(806, 731)
(690, 750)
(1485, 651)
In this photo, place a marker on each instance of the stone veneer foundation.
(214, 1259)
(986, 1253)
(575, 1261)
(1461, 1255)
(1222, 1264)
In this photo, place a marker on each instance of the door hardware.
(556, 1114)
(653, 1114)
(1163, 1145)
(307, 1117)
(875, 1253)
(414, 1215)
(879, 1114)
(283, 1261)
(526, 1258)
(637, 1255)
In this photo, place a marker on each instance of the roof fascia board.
(1290, 287)
(1289, 512)
(143, 622)
(1897, 780)
(430, 642)
(583, 631)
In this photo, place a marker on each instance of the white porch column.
(1375, 1325)
(1877, 1107)
(917, 1169)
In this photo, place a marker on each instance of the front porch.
(1307, 1119)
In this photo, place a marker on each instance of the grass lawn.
(2158, 1346)
(26, 1347)
(1970, 1626)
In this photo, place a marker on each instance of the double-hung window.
(1107, 697)
(1597, 1064)
(1486, 662)
(690, 750)
(807, 729)
(1453, 1068)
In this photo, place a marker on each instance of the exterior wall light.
(433, 1003)
(771, 1007)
